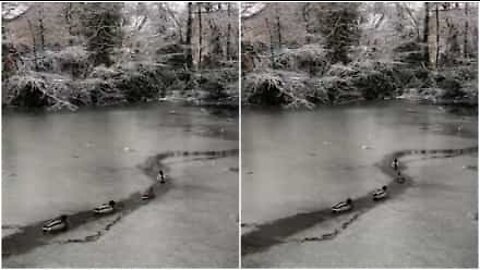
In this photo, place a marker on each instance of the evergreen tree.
(101, 27)
(338, 23)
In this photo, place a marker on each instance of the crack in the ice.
(248, 225)
(91, 237)
(329, 235)
(11, 226)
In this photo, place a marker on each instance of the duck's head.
(349, 201)
(63, 217)
(112, 203)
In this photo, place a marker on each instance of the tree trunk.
(426, 30)
(68, 18)
(306, 16)
(41, 29)
(272, 56)
(279, 28)
(465, 36)
(229, 29)
(189, 56)
(199, 8)
(437, 29)
(34, 46)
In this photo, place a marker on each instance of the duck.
(366, 147)
(342, 206)
(400, 179)
(56, 224)
(149, 194)
(161, 177)
(380, 193)
(106, 208)
(395, 164)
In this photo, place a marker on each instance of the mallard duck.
(56, 224)
(342, 206)
(161, 177)
(395, 164)
(400, 179)
(149, 194)
(380, 193)
(106, 208)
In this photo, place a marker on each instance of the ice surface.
(288, 169)
(64, 163)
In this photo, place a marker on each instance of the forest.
(305, 54)
(67, 55)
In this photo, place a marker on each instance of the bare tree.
(34, 47)
(272, 49)
(229, 30)
(41, 28)
(189, 56)
(279, 27)
(426, 34)
(437, 31)
(200, 35)
(465, 35)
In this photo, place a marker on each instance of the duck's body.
(380, 193)
(150, 194)
(56, 224)
(395, 164)
(161, 177)
(342, 206)
(106, 208)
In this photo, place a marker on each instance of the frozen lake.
(298, 162)
(71, 162)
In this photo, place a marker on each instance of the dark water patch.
(223, 110)
(463, 109)
(471, 167)
(31, 236)
(11, 226)
(276, 232)
(233, 169)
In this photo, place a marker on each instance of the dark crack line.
(248, 225)
(11, 226)
(91, 237)
(327, 236)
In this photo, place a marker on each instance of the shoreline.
(31, 236)
(186, 102)
(181, 102)
(453, 107)
(275, 232)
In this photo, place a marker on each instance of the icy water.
(298, 164)
(68, 163)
